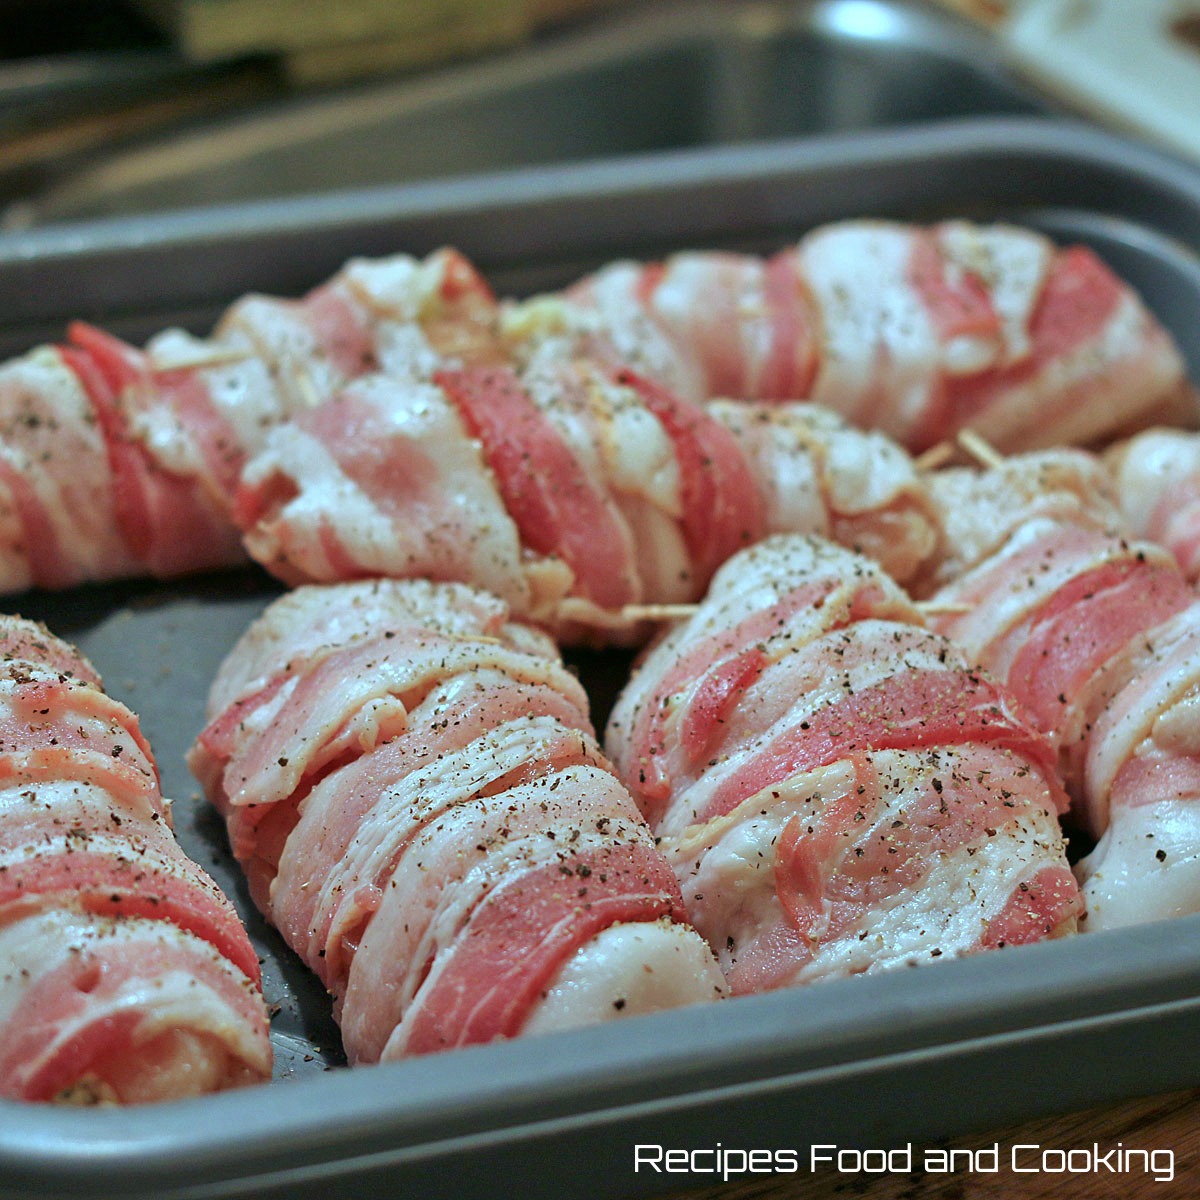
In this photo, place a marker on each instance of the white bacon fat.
(125, 974)
(837, 789)
(413, 786)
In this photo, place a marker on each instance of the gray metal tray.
(917, 1055)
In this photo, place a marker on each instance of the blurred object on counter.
(35, 28)
(83, 83)
(322, 43)
(986, 12)
(477, 29)
(619, 78)
(1133, 65)
(119, 97)
(78, 80)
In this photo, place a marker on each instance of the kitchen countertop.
(1163, 1122)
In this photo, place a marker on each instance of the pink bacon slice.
(126, 975)
(558, 510)
(414, 787)
(486, 991)
(838, 789)
(58, 494)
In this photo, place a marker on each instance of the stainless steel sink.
(652, 78)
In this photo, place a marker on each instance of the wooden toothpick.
(943, 608)
(980, 449)
(197, 357)
(934, 457)
(658, 612)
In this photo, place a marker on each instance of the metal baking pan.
(920, 1055)
(652, 77)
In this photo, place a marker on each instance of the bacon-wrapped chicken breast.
(118, 462)
(125, 974)
(573, 493)
(412, 784)
(914, 330)
(838, 789)
(1096, 633)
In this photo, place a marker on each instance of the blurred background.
(129, 106)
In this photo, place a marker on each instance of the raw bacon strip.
(923, 708)
(414, 787)
(1096, 633)
(862, 797)
(719, 494)
(381, 480)
(167, 522)
(1157, 482)
(421, 314)
(306, 622)
(818, 474)
(59, 501)
(559, 510)
(92, 739)
(124, 382)
(126, 1011)
(916, 331)
(674, 730)
(705, 324)
(398, 315)
(557, 909)
(1144, 761)
(1098, 363)
(548, 838)
(125, 974)
(891, 338)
